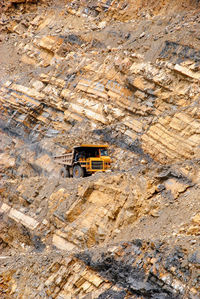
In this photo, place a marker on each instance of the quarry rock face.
(122, 73)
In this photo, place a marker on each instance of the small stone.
(193, 241)
(102, 25)
(38, 85)
(142, 34)
(154, 213)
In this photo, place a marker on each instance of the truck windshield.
(103, 152)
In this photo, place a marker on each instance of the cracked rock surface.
(125, 73)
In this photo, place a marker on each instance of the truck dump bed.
(65, 159)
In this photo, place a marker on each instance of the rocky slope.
(124, 73)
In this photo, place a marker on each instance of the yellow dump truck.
(84, 159)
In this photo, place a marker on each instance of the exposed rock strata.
(126, 73)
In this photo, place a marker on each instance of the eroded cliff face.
(124, 73)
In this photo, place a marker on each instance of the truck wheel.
(64, 172)
(78, 171)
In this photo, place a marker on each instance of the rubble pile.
(125, 73)
(7, 5)
(126, 270)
